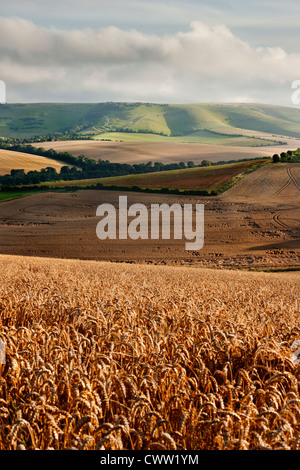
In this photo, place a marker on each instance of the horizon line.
(222, 103)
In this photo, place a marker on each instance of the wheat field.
(10, 160)
(120, 356)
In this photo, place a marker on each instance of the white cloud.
(206, 63)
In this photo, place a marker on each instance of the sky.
(173, 51)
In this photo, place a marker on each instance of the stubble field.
(166, 152)
(10, 160)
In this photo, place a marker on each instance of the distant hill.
(200, 121)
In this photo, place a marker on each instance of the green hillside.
(192, 120)
(27, 120)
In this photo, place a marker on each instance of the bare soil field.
(269, 183)
(102, 356)
(250, 226)
(138, 152)
(10, 160)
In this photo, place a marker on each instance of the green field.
(10, 195)
(192, 122)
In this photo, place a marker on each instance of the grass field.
(111, 357)
(10, 195)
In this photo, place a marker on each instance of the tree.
(205, 163)
(276, 158)
(19, 172)
(158, 166)
(284, 156)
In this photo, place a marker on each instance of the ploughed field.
(270, 183)
(114, 356)
(254, 224)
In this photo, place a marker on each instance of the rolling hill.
(10, 160)
(192, 122)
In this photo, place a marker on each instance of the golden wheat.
(107, 356)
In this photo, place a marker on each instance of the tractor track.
(254, 183)
(279, 222)
(293, 177)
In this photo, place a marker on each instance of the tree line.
(81, 167)
(287, 157)
(77, 167)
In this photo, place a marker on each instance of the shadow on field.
(290, 244)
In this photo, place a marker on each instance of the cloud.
(205, 63)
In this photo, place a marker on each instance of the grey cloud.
(204, 63)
